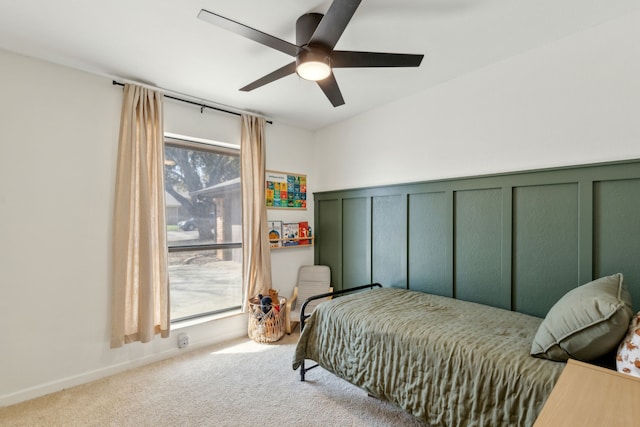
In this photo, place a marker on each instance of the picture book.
(290, 230)
(275, 233)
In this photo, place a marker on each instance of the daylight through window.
(203, 211)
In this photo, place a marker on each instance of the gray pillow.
(586, 323)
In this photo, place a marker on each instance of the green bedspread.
(446, 361)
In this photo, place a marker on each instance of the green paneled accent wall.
(617, 231)
(545, 245)
(517, 241)
(357, 220)
(329, 220)
(478, 247)
(389, 241)
(429, 259)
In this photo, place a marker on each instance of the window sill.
(205, 319)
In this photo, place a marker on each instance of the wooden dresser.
(587, 395)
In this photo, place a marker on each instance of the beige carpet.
(240, 383)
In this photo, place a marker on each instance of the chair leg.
(291, 328)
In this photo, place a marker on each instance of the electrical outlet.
(183, 341)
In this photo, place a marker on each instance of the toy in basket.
(266, 318)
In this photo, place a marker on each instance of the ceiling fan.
(315, 57)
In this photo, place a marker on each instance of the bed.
(521, 241)
(455, 363)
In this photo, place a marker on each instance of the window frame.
(186, 142)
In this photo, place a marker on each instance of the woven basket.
(266, 327)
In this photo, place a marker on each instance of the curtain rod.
(199, 104)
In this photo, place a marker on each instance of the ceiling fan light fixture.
(313, 70)
(313, 65)
(316, 37)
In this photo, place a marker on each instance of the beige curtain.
(256, 256)
(140, 307)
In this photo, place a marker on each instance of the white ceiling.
(161, 43)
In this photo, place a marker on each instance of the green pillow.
(586, 323)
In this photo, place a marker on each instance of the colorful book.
(275, 233)
(290, 230)
(303, 231)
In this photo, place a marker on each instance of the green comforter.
(446, 361)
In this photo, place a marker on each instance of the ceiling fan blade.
(248, 32)
(330, 88)
(271, 77)
(334, 22)
(349, 59)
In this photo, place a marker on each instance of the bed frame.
(304, 316)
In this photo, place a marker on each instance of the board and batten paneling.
(328, 217)
(518, 241)
(428, 257)
(616, 232)
(357, 219)
(389, 240)
(545, 245)
(477, 246)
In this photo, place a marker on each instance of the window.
(204, 220)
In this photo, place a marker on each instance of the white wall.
(575, 101)
(59, 145)
(290, 150)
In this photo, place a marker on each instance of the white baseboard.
(86, 377)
